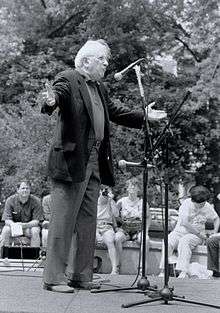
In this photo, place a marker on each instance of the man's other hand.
(155, 115)
(49, 94)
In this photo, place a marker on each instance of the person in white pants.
(190, 228)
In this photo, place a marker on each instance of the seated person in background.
(216, 194)
(46, 206)
(22, 214)
(213, 243)
(189, 231)
(107, 230)
(130, 212)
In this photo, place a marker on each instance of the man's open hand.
(155, 115)
(49, 94)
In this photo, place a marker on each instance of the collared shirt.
(17, 211)
(97, 106)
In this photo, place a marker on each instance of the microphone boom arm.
(118, 76)
(123, 164)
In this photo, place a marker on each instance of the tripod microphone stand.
(143, 283)
(166, 293)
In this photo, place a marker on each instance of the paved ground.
(22, 292)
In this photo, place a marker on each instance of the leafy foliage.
(41, 38)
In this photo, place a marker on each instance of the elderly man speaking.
(79, 160)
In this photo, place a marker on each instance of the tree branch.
(43, 4)
(58, 29)
(180, 27)
(216, 68)
(194, 53)
(161, 27)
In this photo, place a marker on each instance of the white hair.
(90, 49)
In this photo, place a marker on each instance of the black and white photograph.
(109, 156)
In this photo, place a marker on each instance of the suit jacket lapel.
(86, 97)
(103, 103)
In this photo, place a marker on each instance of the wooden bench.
(129, 265)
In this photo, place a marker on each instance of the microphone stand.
(143, 283)
(166, 293)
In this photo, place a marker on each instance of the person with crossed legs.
(130, 212)
(107, 230)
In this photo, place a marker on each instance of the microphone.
(123, 164)
(118, 76)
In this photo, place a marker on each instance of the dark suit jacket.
(69, 152)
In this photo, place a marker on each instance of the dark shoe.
(86, 285)
(98, 264)
(216, 274)
(58, 288)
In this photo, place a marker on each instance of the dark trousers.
(71, 237)
(213, 253)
